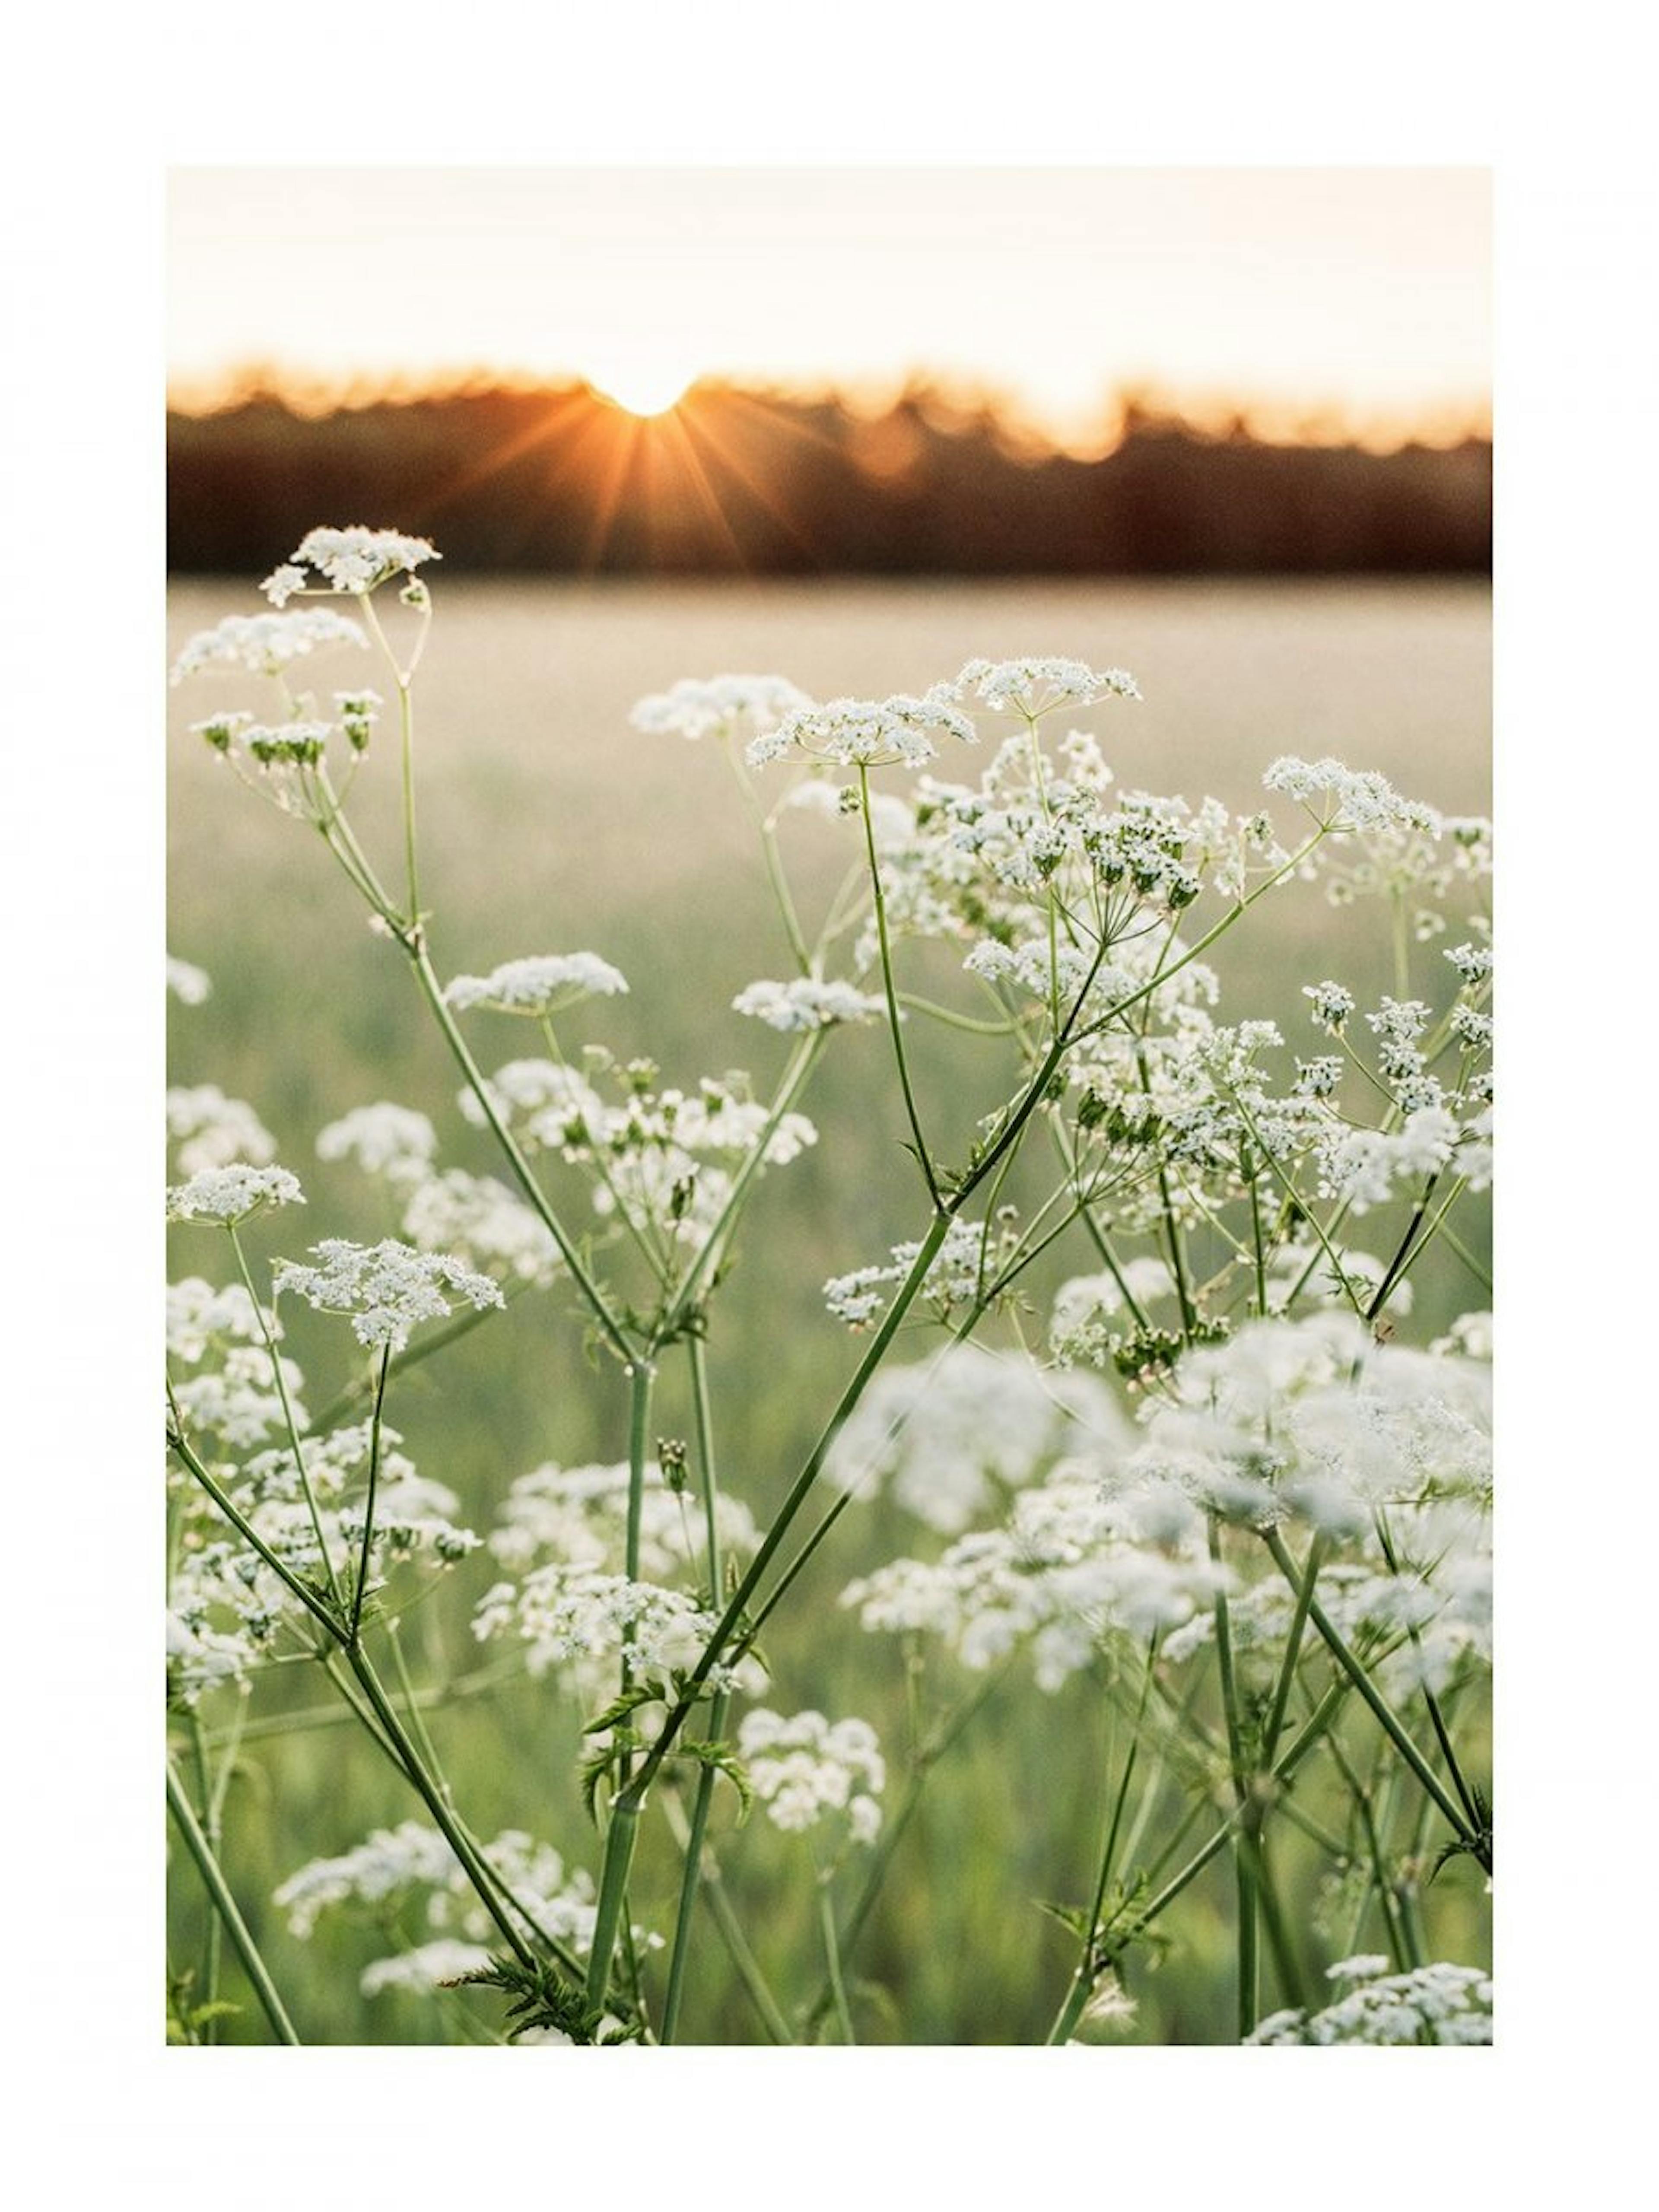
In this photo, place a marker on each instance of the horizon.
(957, 403)
(1336, 305)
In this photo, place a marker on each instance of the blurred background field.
(548, 824)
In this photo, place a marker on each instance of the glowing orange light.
(642, 387)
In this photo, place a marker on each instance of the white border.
(107, 102)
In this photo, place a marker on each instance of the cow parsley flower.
(538, 985)
(387, 1288)
(722, 707)
(226, 1195)
(481, 1221)
(578, 1517)
(1332, 1006)
(806, 1767)
(578, 1618)
(384, 1139)
(806, 1002)
(1353, 800)
(264, 644)
(1439, 2003)
(410, 1871)
(867, 732)
(190, 985)
(953, 1279)
(211, 1130)
(219, 1364)
(1472, 962)
(1037, 686)
(951, 1435)
(353, 560)
(1079, 1331)
(426, 1967)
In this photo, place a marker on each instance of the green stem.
(487, 1885)
(641, 1376)
(1292, 1649)
(1396, 1266)
(400, 678)
(432, 990)
(794, 1077)
(691, 1876)
(1482, 1274)
(774, 871)
(358, 1595)
(211, 1803)
(697, 1360)
(926, 1756)
(690, 1882)
(225, 1904)
(1373, 1697)
(731, 1933)
(287, 1412)
(893, 1019)
(832, 1959)
(1382, 1881)
(313, 1604)
(1083, 1981)
(619, 1840)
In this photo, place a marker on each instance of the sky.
(1362, 295)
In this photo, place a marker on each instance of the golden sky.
(1363, 294)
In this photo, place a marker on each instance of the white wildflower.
(577, 1516)
(211, 1131)
(385, 1139)
(723, 707)
(482, 1222)
(571, 1616)
(190, 985)
(805, 1766)
(1036, 686)
(264, 644)
(353, 560)
(1332, 1005)
(1079, 1331)
(1439, 2003)
(952, 1436)
(806, 1002)
(226, 1195)
(1348, 799)
(387, 1288)
(538, 985)
(867, 732)
(446, 1959)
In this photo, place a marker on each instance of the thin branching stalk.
(224, 1905)
(894, 1022)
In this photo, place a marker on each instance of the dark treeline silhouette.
(731, 482)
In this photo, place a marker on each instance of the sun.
(642, 387)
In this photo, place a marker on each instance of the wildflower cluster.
(805, 1768)
(727, 706)
(407, 1882)
(1438, 2004)
(1167, 1447)
(387, 1288)
(343, 1512)
(355, 560)
(474, 1218)
(653, 1155)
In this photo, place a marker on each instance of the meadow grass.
(545, 820)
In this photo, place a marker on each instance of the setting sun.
(642, 388)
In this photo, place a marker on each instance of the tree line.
(558, 481)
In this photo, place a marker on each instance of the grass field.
(547, 824)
